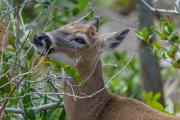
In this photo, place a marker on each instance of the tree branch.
(175, 11)
(36, 109)
(42, 95)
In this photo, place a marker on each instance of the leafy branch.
(164, 41)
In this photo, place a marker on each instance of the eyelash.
(80, 40)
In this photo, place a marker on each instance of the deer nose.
(41, 39)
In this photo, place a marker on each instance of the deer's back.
(119, 108)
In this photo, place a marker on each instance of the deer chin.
(40, 50)
(63, 58)
(44, 51)
(56, 56)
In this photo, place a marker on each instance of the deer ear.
(95, 22)
(113, 40)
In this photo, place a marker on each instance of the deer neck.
(89, 107)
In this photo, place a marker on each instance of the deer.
(79, 45)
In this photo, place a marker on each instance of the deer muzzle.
(42, 42)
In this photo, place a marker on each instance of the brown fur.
(103, 105)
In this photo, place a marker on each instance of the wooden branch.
(175, 11)
(35, 109)
(14, 110)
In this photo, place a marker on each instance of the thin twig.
(48, 97)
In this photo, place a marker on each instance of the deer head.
(76, 42)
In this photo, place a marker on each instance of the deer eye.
(79, 40)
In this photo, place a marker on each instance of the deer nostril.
(42, 39)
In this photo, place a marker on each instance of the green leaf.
(156, 96)
(170, 28)
(163, 37)
(165, 55)
(156, 46)
(157, 106)
(6, 67)
(50, 112)
(103, 21)
(82, 4)
(143, 34)
(155, 30)
(148, 97)
(31, 114)
(176, 63)
(175, 39)
(45, 111)
(75, 11)
(27, 102)
(152, 100)
(90, 15)
(68, 69)
(73, 73)
(3, 81)
(62, 115)
(172, 51)
(139, 35)
(164, 21)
